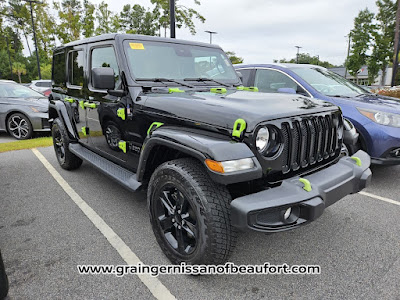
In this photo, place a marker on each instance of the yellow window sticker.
(136, 46)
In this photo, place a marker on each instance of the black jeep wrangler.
(171, 116)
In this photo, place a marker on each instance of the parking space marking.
(154, 285)
(380, 198)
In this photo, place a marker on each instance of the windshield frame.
(340, 80)
(218, 50)
(33, 93)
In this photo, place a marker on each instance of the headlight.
(268, 141)
(230, 166)
(381, 117)
(262, 139)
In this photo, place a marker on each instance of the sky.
(260, 31)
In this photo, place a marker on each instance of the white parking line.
(155, 286)
(380, 198)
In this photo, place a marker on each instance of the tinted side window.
(269, 81)
(59, 69)
(105, 57)
(75, 68)
(246, 76)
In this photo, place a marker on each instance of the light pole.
(211, 33)
(348, 53)
(297, 56)
(172, 18)
(34, 35)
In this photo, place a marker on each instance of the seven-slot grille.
(310, 141)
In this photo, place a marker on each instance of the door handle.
(70, 100)
(89, 105)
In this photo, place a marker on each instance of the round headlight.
(262, 139)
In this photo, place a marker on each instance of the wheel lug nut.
(179, 227)
(173, 220)
(179, 211)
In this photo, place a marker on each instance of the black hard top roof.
(124, 36)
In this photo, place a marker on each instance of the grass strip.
(26, 144)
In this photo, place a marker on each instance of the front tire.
(190, 214)
(19, 126)
(61, 141)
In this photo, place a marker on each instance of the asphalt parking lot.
(44, 235)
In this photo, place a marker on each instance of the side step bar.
(116, 172)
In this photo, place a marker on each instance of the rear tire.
(190, 214)
(61, 141)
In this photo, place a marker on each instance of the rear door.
(76, 96)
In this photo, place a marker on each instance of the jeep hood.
(222, 110)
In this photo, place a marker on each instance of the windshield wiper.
(338, 96)
(203, 79)
(162, 80)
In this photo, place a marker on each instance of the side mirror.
(240, 76)
(103, 78)
(287, 90)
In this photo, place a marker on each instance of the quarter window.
(75, 68)
(59, 69)
(246, 76)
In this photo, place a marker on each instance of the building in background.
(362, 76)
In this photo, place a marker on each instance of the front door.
(108, 116)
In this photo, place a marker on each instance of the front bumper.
(264, 211)
(40, 121)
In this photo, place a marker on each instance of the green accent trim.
(251, 89)
(357, 160)
(238, 132)
(218, 90)
(70, 100)
(121, 113)
(154, 124)
(307, 184)
(122, 146)
(240, 88)
(175, 90)
(85, 131)
(90, 105)
(82, 104)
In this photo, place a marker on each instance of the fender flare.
(62, 113)
(201, 147)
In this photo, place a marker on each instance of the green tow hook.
(307, 184)
(357, 160)
(153, 126)
(238, 128)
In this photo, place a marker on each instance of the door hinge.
(122, 146)
(121, 113)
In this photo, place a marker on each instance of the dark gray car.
(22, 110)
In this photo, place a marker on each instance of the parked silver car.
(40, 85)
(22, 110)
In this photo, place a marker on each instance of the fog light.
(287, 213)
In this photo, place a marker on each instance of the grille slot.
(309, 141)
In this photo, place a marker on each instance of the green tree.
(306, 58)
(184, 15)
(137, 19)
(360, 41)
(19, 69)
(69, 16)
(46, 71)
(88, 18)
(104, 19)
(233, 58)
(382, 36)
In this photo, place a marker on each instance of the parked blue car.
(376, 117)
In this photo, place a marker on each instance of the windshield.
(15, 90)
(329, 83)
(178, 61)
